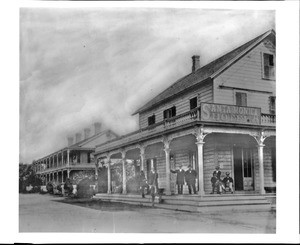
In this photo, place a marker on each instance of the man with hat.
(228, 182)
(217, 172)
(190, 179)
(180, 178)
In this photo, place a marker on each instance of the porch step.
(194, 203)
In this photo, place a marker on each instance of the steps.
(194, 203)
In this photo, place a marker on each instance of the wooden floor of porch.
(194, 203)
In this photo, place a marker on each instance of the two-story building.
(221, 114)
(76, 161)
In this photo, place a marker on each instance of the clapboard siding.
(182, 103)
(268, 170)
(246, 74)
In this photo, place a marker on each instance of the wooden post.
(142, 149)
(200, 167)
(124, 171)
(200, 135)
(167, 150)
(108, 175)
(261, 168)
(260, 138)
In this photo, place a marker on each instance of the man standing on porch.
(190, 179)
(180, 178)
(153, 184)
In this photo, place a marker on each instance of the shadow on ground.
(101, 205)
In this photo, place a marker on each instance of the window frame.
(170, 111)
(272, 105)
(263, 66)
(150, 118)
(235, 97)
(192, 99)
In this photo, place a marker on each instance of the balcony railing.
(268, 119)
(72, 165)
(182, 119)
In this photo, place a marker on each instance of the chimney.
(70, 140)
(196, 63)
(87, 132)
(77, 137)
(97, 126)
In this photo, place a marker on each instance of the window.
(171, 112)
(272, 104)
(268, 66)
(151, 120)
(193, 103)
(241, 99)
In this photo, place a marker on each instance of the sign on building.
(230, 114)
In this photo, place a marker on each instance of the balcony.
(72, 166)
(177, 121)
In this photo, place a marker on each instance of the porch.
(194, 203)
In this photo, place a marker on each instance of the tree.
(27, 177)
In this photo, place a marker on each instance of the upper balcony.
(71, 166)
(206, 112)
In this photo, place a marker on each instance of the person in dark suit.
(153, 184)
(143, 183)
(180, 178)
(217, 172)
(190, 179)
(215, 183)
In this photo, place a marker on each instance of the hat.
(189, 166)
(227, 173)
(217, 167)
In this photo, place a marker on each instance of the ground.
(46, 213)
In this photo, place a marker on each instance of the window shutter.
(165, 114)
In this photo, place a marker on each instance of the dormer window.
(193, 103)
(171, 112)
(151, 120)
(268, 66)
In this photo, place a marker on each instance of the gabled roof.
(83, 142)
(210, 70)
(80, 145)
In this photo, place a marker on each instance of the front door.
(243, 169)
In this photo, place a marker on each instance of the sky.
(86, 65)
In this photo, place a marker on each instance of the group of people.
(189, 177)
(149, 185)
(220, 185)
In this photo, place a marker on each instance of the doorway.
(243, 169)
(151, 163)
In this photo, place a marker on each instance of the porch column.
(260, 138)
(108, 175)
(200, 167)
(168, 173)
(68, 163)
(200, 135)
(62, 158)
(62, 176)
(124, 171)
(142, 149)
